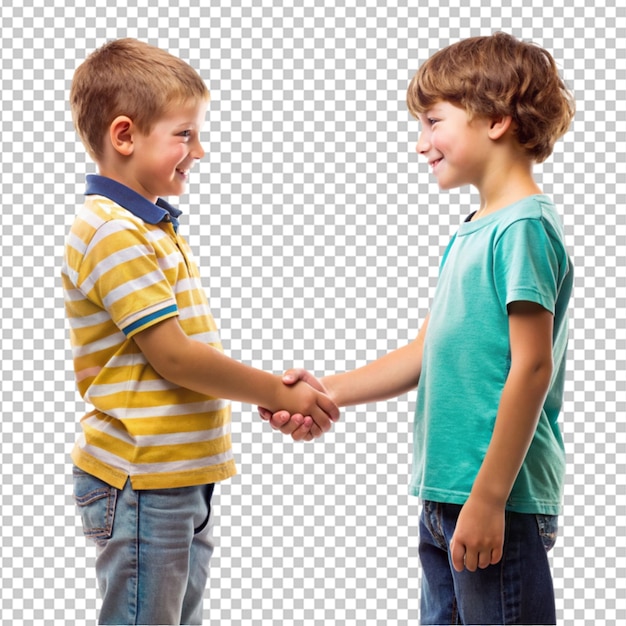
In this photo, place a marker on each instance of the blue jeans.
(153, 549)
(517, 590)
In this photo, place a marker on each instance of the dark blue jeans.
(517, 590)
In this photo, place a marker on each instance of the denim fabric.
(153, 549)
(517, 590)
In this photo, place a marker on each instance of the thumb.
(292, 376)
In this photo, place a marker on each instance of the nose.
(198, 151)
(423, 143)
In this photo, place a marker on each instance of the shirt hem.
(533, 507)
(143, 482)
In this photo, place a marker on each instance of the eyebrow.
(435, 108)
(186, 124)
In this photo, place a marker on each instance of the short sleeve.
(122, 274)
(527, 264)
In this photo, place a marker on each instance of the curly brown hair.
(133, 78)
(496, 76)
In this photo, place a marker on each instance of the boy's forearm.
(370, 383)
(204, 369)
(388, 377)
(210, 372)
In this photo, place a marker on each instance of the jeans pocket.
(208, 494)
(548, 529)
(96, 503)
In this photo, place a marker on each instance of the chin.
(448, 185)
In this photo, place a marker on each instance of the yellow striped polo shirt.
(125, 269)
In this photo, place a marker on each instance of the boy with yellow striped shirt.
(147, 354)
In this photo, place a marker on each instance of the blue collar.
(132, 201)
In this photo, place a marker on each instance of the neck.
(507, 183)
(122, 174)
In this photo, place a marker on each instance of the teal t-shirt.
(514, 254)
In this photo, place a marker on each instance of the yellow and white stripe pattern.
(122, 274)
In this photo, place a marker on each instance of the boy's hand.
(298, 426)
(299, 398)
(479, 535)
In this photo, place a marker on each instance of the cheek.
(178, 152)
(439, 142)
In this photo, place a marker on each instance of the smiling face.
(160, 161)
(455, 146)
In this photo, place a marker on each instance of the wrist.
(272, 392)
(330, 388)
(491, 495)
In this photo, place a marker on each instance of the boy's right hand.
(299, 398)
(300, 427)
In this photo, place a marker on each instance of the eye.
(432, 121)
(185, 133)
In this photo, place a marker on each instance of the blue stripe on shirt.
(149, 318)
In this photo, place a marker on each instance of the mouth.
(184, 174)
(433, 164)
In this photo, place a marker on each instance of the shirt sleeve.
(527, 264)
(122, 274)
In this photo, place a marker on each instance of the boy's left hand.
(479, 535)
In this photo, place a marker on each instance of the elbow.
(167, 368)
(531, 358)
(544, 374)
(538, 373)
(167, 349)
(174, 361)
(166, 360)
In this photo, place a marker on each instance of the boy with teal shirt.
(489, 359)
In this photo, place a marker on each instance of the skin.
(481, 152)
(157, 164)
(202, 368)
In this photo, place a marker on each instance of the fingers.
(457, 554)
(297, 426)
(484, 559)
(471, 560)
(265, 414)
(496, 555)
(285, 422)
(306, 431)
(279, 419)
(293, 425)
(300, 428)
(329, 407)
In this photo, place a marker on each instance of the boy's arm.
(202, 368)
(388, 377)
(479, 533)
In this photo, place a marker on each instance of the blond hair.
(132, 78)
(497, 76)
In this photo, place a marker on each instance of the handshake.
(304, 427)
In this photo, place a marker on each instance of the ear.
(121, 135)
(499, 127)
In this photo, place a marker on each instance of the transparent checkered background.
(319, 234)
